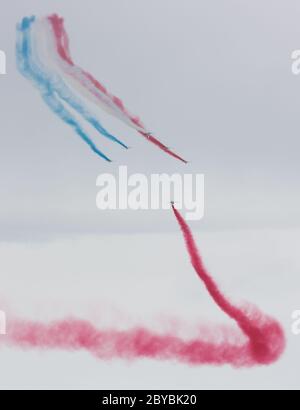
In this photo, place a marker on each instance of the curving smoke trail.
(266, 337)
(43, 57)
(52, 88)
(261, 340)
(93, 89)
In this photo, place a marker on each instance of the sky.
(118, 280)
(213, 80)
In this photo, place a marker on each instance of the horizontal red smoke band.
(264, 338)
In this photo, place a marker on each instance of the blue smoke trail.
(66, 95)
(30, 71)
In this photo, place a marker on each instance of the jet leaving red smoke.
(266, 337)
(265, 340)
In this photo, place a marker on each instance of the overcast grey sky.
(211, 78)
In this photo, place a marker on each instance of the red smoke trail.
(159, 144)
(62, 45)
(266, 337)
(265, 341)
